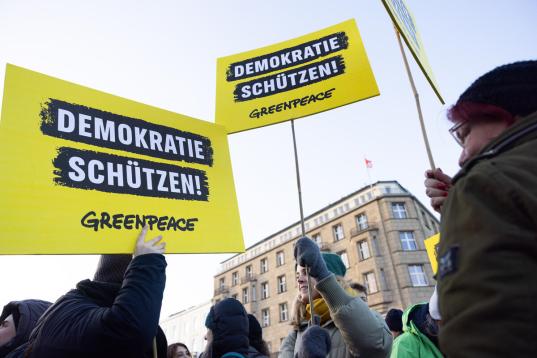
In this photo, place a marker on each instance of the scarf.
(320, 308)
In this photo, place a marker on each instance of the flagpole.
(302, 225)
(417, 98)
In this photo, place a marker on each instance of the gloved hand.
(307, 254)
(315, 343)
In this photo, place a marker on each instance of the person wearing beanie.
(487, 255)
(352, 327)
(258, 347)
(394, 320)
(228, 330)
(114, 315)
(17, 320)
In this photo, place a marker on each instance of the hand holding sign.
(437, 185)
(153, 246)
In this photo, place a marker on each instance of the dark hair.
(172, 347)
(255, 336)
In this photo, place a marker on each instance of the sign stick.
(312, 322)
(417, 98)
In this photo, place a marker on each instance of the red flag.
(368, 163)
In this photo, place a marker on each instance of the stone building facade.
(378, 231)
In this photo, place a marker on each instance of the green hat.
(334, 263)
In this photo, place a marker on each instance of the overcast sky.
(163, 53)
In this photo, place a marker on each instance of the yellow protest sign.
(431, 245)
(83, 171)
(406, 25)
(292, 79)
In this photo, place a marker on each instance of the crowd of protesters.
(483, 305)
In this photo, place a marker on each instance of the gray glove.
(315, 343)
(307, 254)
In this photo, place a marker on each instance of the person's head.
(255, 336)
(394, 320)
(334, 264)
(228, 329)
(178, 350)
(360, 290)
(17, 320)
(8, 331)
(491, 104)
(111, 268)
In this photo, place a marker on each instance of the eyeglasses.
(460, 131)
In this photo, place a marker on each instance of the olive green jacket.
(488, 251)
(355, 330)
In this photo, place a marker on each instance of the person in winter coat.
(353, 328)
(258, 347)
(420, 334)
(115, 315)
(228, 330)
(17, 321)
(487, 256)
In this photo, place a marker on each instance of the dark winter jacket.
(488, 250)
(25, 314)
(99, 319)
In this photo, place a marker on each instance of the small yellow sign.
(406, 25)
(431, 245)
(296, 78)
(83, 171)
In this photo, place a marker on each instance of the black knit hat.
(229, 324)
(111, 268)
(512, 87)
(394, 320)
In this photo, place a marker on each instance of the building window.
(425, 220)
(282, 286)
(284, 315)
(248, 271)
(245, 296)
(263, 265)
(317, 239)
(376, 247)
(361, 221)
(222, 283)
(344, 258)
(337, 230)
(370, 282)
(399, 210)
(235, 278)
(265, 317)
(363, 250)
(408, 242)
(417, 275)
(264, 290)
(280, 258)
(383, 280)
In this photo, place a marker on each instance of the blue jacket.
(99, 319)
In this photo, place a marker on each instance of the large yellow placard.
(292, 79)
(406, 25)
(83, 171)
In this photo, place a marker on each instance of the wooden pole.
(417, 98)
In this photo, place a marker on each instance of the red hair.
(467, 111)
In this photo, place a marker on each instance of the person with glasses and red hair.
(487, 259)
